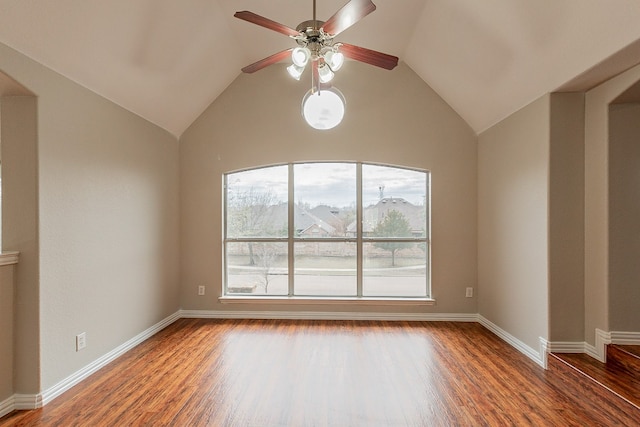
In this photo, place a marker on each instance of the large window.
(327, 230)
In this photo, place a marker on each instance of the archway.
(19, 338)
(624, 211)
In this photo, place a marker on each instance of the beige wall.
(107, 218)
(6, 332)
(624, 211)
(20, 231)
(391, 117)
(513, 206)
(597, 200)
(117, 223)
(566, 218)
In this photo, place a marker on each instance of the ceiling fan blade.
(350, 13)
(372, 57)
(269, 60)
(266, 23)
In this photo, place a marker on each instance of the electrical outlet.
(81, 341)
(200, 290)
(469, 293)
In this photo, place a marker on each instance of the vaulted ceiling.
(167, 60)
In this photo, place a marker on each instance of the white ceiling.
(167, 60)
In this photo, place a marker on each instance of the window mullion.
(291, 230)
(225, 259)
(427, 202)
(359, 223)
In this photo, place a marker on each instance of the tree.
(248, 215)
(393, 225)
(266, 255)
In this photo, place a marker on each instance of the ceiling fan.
(316, 43)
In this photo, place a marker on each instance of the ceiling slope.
(167, 60)
(488, 59)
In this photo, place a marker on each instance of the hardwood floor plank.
(202, 372)
(576, 386)
(612, 376)
(626, 358)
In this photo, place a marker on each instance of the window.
(349, 230)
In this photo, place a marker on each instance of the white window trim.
(320, 300)
(359, 240)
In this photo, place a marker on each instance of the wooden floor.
(202, 372)
(621, 378)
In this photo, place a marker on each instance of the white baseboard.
(7, 406)
(544, 352)
(603, 338)
(599, 350)
(537, 356)
(35, 401)
(318, 315)
(566, 347)
(20, 401)
(64, 385)
(625, 338)
(28, 401)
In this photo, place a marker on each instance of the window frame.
(359, 240)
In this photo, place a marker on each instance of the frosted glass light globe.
(325, 74)
(323, 109)
(300, 56)
(295, 71)
(334, 60)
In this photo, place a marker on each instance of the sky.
(333, 184)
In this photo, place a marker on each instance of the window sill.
(324, 300)
(9, 258)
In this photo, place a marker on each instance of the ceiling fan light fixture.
(325, 74)
(295, 71)
(334, 60)
(323, 109)
(300, 56)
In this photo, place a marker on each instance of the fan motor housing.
(311, 31)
